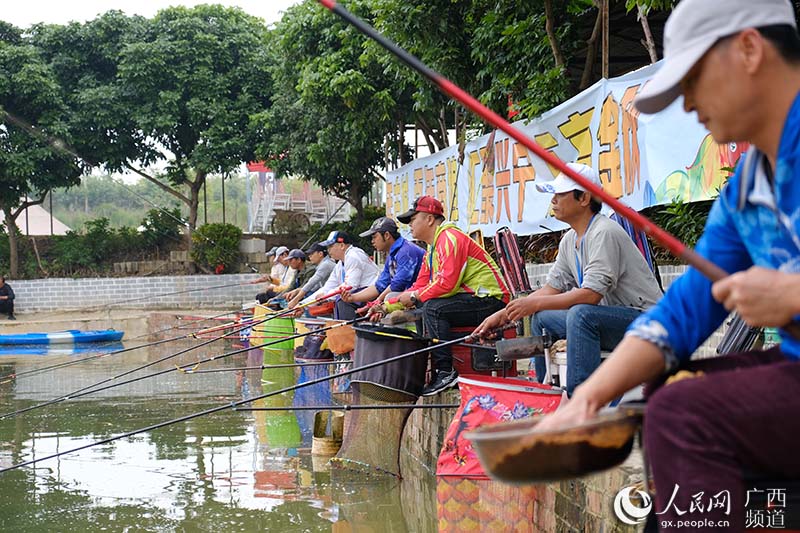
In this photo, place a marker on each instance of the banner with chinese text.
(642, 159)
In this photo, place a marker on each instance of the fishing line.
(237, 403)
(16, 375)
(90, 389)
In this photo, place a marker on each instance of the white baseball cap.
(693, 28)
(564, 184)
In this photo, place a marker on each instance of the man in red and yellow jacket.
(458, 285)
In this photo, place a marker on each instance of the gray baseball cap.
(380, 225)
(693, 28)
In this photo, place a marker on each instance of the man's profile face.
(380, 242)
(720, 89)
(296, 263)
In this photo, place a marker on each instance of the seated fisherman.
(354, 269)
(297, 262)
(6, 299)
(318, 255)
(458, 285)
(737, 65)
(598, 285)
(402, 264)
(281, 276)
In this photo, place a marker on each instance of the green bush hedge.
(216, 247)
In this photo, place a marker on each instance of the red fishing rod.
(676, 247)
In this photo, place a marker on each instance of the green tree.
(193, 83)
(334, 105)
(33, 135)
(176, 90)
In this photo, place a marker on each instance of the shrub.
(161, 227)
(216, 247)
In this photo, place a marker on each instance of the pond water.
(228, 471)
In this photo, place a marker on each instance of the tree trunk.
(443, 128)
(11, 214)
(648, 41)
(430, 136)
(551, 34)
(194, 202)
(355, 197)
(591, 52)
(13, 246)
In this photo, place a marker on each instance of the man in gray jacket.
(324, 266)
(597, 286)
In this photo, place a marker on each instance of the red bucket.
(488, 400)
(323, 309)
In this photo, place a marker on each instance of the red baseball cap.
(423, 204)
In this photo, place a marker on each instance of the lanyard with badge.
(579, 250)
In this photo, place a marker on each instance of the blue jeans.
(588, 330)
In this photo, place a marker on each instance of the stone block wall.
(183, 292)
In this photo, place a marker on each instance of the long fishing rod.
(188, 335)
(189, 368)
(234, 405)
(356, 407)
(213, 287)
(267, 367)
(83, 391)
(16, 375)
(86, 390)
(676, 247)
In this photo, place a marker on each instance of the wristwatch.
(413, 298)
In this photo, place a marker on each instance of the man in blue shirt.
(402, 262)
(737, 65)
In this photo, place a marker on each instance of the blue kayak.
(72, 336)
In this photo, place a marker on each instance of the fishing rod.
(234, 405)
(16, 375)
(676, 247)
(356, 407)
(190, 369)
(226, 286)
(85, 390)
(186, 369)
(267, 367)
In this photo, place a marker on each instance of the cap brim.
(368, 233)
(664, 87)
(405, 218)
(325, 244)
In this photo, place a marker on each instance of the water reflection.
(231, 471)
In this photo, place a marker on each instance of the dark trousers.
(702, 434)
(7, 307)
(345, 311)
(460, 310)
(264, 297)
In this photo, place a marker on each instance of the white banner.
(642, 159)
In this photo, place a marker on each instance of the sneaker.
(443, 380)
(12, 317)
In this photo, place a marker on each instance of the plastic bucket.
(272, 330)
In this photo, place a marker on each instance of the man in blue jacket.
(737, 65)
(402, 264)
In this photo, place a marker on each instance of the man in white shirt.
(281, 275)
(354, 269)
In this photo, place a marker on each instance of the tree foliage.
(216, 247)
(33, 133)
(333, 105)
(178, 89)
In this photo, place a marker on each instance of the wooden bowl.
(514, 452)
